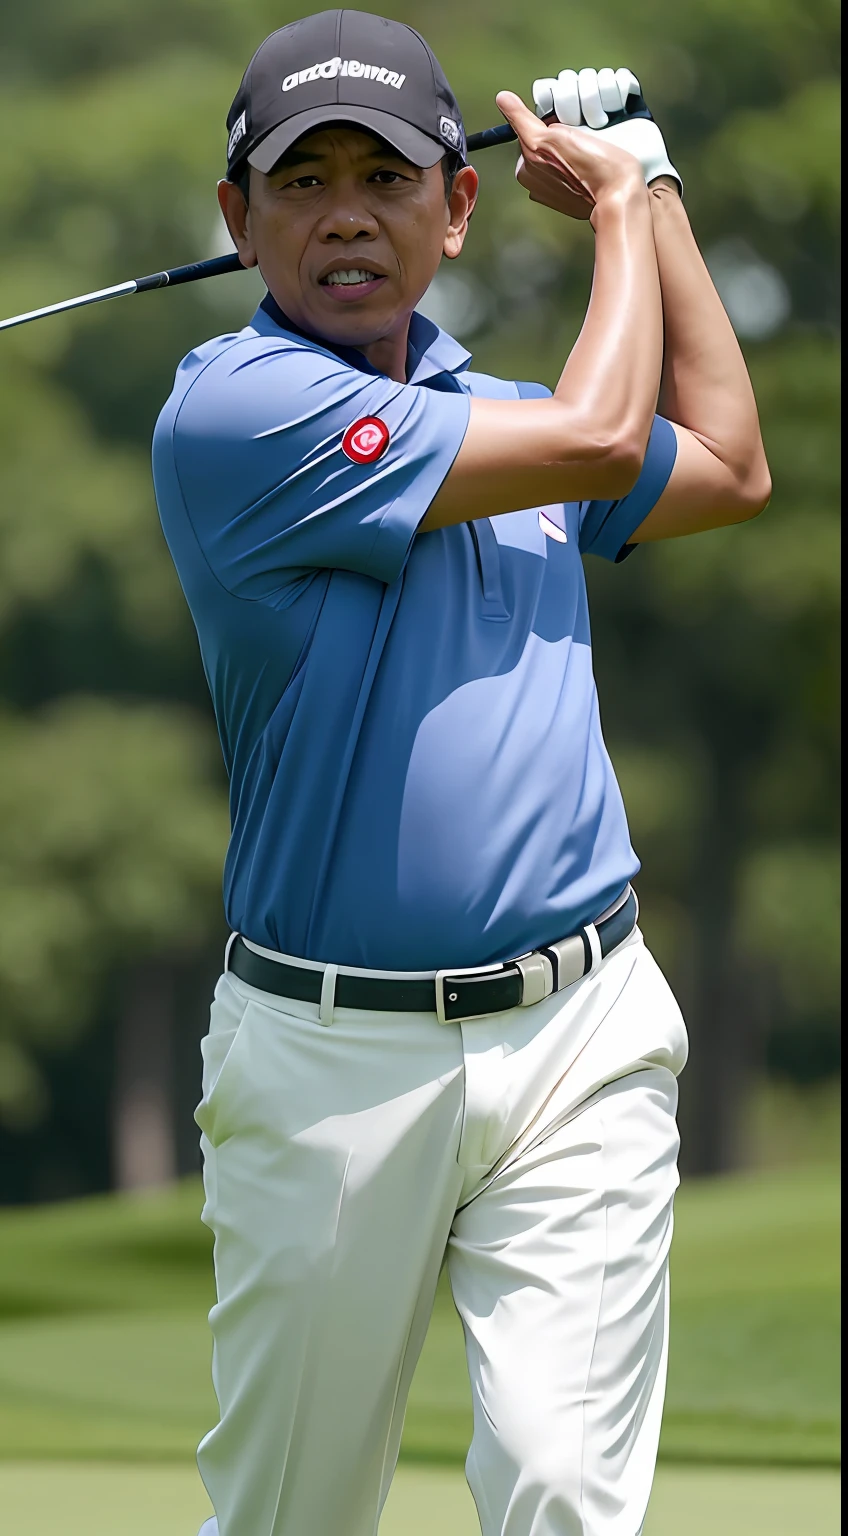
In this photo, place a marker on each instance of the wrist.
(666, 204)
(625, 197)
(662, 185)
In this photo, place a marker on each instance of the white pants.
(538, 1150)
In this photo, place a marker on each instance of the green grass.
(100, 1500)
(104, 1349)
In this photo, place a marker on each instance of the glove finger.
(628, 85)
(590, 99)
(567, 98)
(609, 91)
(543, 96)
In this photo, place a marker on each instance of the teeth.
(351, 275)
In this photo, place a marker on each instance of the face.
(347, 234)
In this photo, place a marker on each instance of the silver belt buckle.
(538, 974)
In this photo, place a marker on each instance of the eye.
(386, 178)
(301, 182)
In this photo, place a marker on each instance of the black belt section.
(451, 995)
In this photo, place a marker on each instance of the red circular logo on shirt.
(366, 440)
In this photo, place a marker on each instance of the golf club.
(195, 270)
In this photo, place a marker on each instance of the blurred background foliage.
(716, 657)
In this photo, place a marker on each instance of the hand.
(607, 103)
(563, 167)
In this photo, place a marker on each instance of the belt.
(452, 995)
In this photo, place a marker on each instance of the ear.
(460, 208)
(237, 218)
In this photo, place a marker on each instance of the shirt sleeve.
(269, 489)
(606, 526)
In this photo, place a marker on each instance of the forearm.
(590, 439)
(613, 372)
(705, 385)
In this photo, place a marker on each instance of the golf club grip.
(503, 134)
(190, 273)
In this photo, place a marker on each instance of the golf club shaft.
(198, 269)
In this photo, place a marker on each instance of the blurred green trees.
(716, 657)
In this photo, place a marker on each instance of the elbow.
(625, 467)
(743, 487)
(753, 492)
(616, 463)
(760, 496)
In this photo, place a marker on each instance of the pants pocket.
(220, 1049)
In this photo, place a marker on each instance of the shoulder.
(198, 368)
(246, 383)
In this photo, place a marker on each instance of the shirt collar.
(431, 352)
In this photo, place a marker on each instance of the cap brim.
(414, 145)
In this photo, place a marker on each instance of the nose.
(347, 220)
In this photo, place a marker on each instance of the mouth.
(346, 284)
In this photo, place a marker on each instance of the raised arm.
(589, 440)
(720, 475)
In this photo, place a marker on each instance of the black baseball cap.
(343, 67)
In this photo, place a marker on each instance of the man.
(438, 1032)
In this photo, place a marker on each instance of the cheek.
(279, 247)
(423, 243)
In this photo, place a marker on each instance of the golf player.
(439, 1035)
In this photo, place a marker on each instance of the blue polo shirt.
(409, 721)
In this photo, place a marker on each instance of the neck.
(388, 355)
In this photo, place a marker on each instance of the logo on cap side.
(344, 67)
(451, 132)
(239, 129)
(366, 440)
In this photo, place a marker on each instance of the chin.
(354, 330)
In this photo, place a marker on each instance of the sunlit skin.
(342, 200)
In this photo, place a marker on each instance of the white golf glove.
(607, 101)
